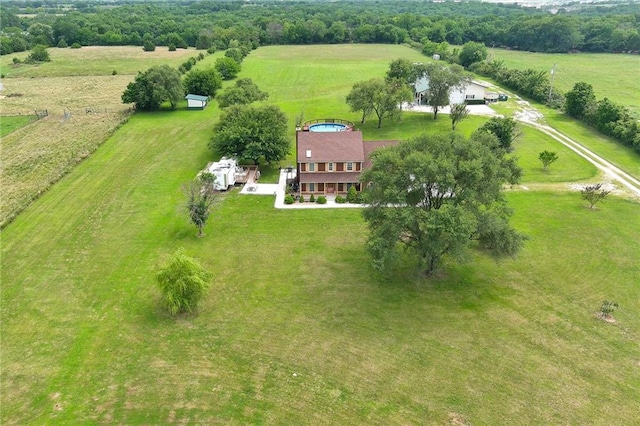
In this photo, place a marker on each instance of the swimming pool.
(328, 127)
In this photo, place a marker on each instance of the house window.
(312, 187)
(322, 167)
(349, 166)
(321, 187)
(303, 187)
(330, 167)
(339, 167)
(303, 167)
(341, 187)
(470, 96)
(312, 167)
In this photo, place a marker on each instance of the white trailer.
(225, 173)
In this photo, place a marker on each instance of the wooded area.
(586, 27)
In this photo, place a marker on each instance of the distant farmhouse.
(331, 155)
(475, 92)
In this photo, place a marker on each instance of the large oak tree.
(251, 133)
(436, 195)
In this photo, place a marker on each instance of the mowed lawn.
(614, 76)
(297, 327)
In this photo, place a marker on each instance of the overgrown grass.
(611, 75)
(10, 123)
(298, 328)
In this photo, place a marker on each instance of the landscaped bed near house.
(297, 327)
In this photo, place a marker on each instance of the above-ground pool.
(328, 127)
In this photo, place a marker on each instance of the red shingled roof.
(330, 147)
(371, 146)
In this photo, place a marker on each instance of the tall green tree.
(227, 67)
(403, 70)
(458, 112)
(579, 100)
(504, 128)
(251, 133)
(436, 195)
(360, 98)
(182, 282)
(203, 81)
(244, 92)
(442, 80)
(471, 53)
(150, 89)
(383, 98)
(200, 197)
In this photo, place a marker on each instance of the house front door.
(331, 188)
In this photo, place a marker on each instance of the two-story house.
(330, 162)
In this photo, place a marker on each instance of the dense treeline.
(205, 24)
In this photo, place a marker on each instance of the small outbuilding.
(196, 101)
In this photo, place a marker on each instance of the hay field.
(83, 100)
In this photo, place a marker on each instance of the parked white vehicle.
(225, 173)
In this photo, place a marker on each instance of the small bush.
(607, 308)
(76, 46)
(312, 199)
(148, 46)
(114, 72)
(301, 199)
(321, 200)
(340, 199)
(172, 48)
(288, 199)
(62, 43)
(353, 196)
(17, 61)
(200, 56)
(211, 50)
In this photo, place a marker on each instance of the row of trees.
(207, 24)
(608, 117)
(162, 83)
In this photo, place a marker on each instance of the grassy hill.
(298, 328)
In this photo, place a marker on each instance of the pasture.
(614, 76)
(297, 327)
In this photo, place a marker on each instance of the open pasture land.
(297, 327)
(94, 60)
(614, 76)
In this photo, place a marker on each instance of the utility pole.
(553, 73)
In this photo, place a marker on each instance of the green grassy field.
(9, 124)
(614, 76)
(297, 327)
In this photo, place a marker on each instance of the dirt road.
(530, 116)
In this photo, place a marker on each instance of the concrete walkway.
(279, 191)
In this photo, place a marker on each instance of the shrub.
(182, 282)
(76, 46)
(321, 199)
(353, 196)
(38, 54)
(211, 50)
(148, 46)
(312, 199)
(340, 199)
(17, 61)
(62, 43)
(607, 308)
(288, 199)
(200, 56)
(172, 48)
(301, 199)
(114, 72)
